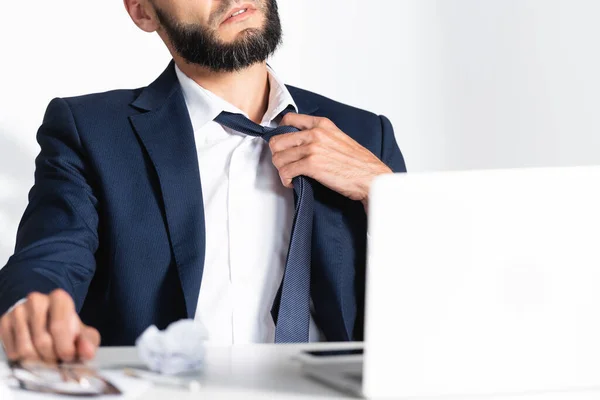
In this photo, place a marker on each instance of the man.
(193, 198)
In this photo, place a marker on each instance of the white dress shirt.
(248, 214)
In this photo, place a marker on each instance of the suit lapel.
(166, 132)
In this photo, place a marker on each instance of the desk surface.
(240, 372)
(262, 372)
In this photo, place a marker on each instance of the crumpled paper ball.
(178, 349)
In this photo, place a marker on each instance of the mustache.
(225, 5)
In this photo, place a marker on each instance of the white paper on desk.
(131, 388)
(5, 392)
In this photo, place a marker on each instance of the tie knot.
(242, 124)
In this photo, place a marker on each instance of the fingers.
(307, 166)
(23, 340)
(305, 122)
(92, 335)
(293, 154)
(312, 129)
(7, 337)
(303, 153)
(37, 308)
(295, 139)
(64, 325)
(47, 327)
(302, 138)
(88, 342)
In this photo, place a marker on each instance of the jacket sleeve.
(390, 152)
(57, 237)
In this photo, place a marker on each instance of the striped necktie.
(291, 309)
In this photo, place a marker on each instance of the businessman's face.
(205, 33)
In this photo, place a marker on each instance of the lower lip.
(240, 17)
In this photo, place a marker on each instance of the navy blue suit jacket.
(116, 217)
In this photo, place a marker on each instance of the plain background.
(468, 84)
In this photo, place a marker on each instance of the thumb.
(87, 342)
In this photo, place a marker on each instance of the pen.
(158, 379)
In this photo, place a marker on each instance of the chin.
(241, 32)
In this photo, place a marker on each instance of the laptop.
(478, 283)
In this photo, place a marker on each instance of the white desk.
(264, 372)
(244, 372)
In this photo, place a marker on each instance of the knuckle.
(324, 121)
(95, 337)
(59, 294)
(284, 173)
(313, 148)
(25, 350)
(284, 179)
(319, 133)
(37, 303)
(18, 313)
(93, 334)
(276, 159)
(272, 143)
(34, 297)
(58, 328)
(43, 342)
(311, 160)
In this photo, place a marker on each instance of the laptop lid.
(483, 282)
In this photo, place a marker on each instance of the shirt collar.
(204, 106)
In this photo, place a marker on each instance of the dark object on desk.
(63, 379)
(334, 353)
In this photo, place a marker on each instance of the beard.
(198, 44)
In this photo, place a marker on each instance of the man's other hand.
(47, 327)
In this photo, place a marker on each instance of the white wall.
(467, 83)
